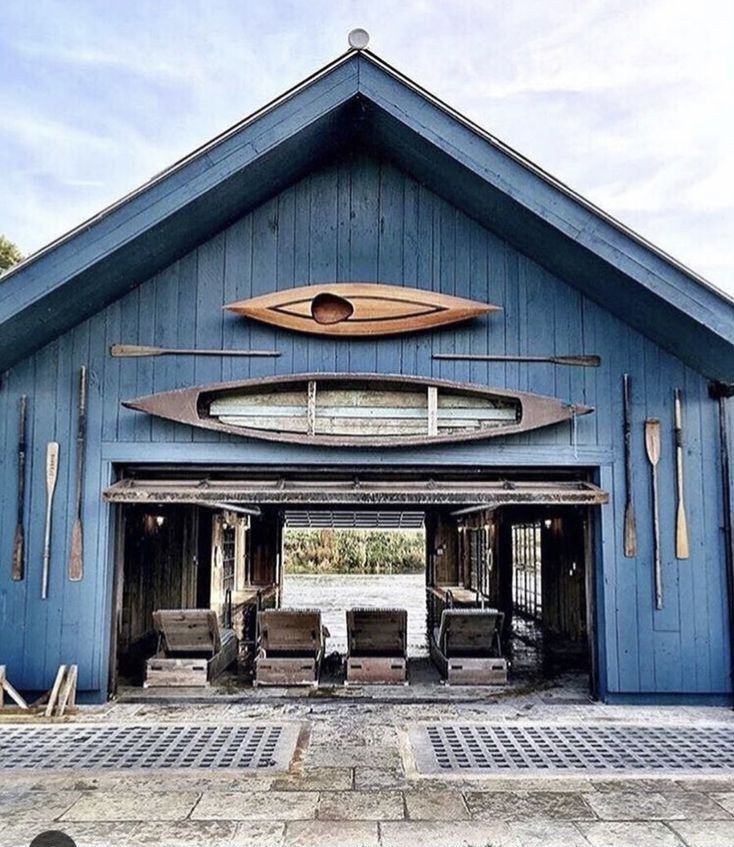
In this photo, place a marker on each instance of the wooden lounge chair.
(467, 647)
(377, 646)
(290, 647)
(192, 650)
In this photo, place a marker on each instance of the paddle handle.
(577, 361)
(630, 524)
(122, 351)
(76, 552)
(18, 564)
(52, 470)
(681, 523)
(652, 447)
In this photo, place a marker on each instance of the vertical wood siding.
(362, 219)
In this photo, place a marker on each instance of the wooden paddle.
(578, 361)
(681, 524)
(134, 351)
(76, 553)
(52, 470)
(18, 570)
(630, 525)
(652, 446)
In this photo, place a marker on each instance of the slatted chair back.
(470, 632)
(188, 632)
(377, 632)
(295, 631)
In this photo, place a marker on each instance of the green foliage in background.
(354, 551)
(9, 254)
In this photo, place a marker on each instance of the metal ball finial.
(359, 38)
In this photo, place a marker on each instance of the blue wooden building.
(357, 174)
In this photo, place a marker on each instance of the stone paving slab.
(132, 806)
(316, 779)
(546, 834)
(370, 778)
(95, 834)
(643, 785)
(435, 804)
(547, 785)
(326, 834)
(629, 834)
(380, 805)
(151, 781)
(257, 806)
(207, 834)
(185, 833)
(705, 833)
(32, 806)
(627, 805)
(442, 834)
(346, 756)
(726, 800)
(707, 785)
(528, 806)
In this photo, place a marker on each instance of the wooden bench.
(290, 647)
(192, 650)
(377, 646)
(467, 647)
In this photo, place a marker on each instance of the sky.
(629, 103)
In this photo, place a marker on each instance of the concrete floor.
(352, 784)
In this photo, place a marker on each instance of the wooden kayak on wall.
(369, 410)
(359, 309)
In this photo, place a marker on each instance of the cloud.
(628, 103)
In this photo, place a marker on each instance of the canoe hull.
(367, 410)
(358, 309)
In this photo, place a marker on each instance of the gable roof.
(360, 100)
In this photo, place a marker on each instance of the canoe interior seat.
(290, 647)
(377, 646)
(192, 649)
(467, 647)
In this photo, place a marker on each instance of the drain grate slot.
(467, 748)
(148, 747)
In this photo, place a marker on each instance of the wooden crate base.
(476, 672)
(281, 670)
(166, 672)
(382, 670)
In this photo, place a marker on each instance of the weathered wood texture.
(364, 219)
(370, 410)
(160, 568)
(291, 645)
(193, 650)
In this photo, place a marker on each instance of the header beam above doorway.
(428, 492)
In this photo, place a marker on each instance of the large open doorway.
(223, 540)
(335, 560)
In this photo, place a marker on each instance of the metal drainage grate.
(151, 747)
(501, 749)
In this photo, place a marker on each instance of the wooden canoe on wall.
(359, 309)
(370, 410)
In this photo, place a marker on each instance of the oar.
(578, 361)
(652, 446)
(121, 351)
(681, 524)
(630, 526)
(18, 570)
(52, 470)
(76, 554)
